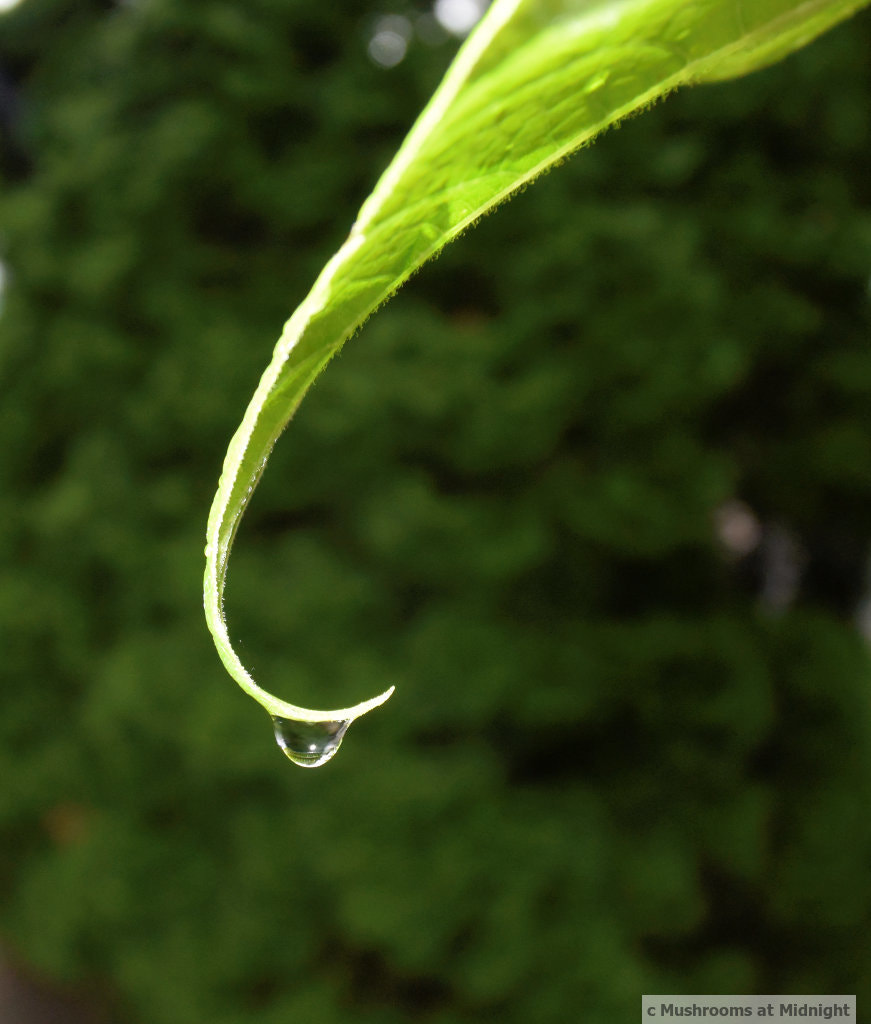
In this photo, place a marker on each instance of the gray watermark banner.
(714, 1008)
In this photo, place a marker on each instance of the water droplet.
(309, 744)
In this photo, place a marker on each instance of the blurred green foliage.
(613, 764)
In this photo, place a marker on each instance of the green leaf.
(535, 81)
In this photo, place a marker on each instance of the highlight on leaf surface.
(536, 80)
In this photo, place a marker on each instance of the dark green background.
(611, 766)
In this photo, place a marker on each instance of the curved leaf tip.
(533, 82)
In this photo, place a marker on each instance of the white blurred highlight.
(389, 42)
(459, 17)
(737, 528)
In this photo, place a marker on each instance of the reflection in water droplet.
(309, 744)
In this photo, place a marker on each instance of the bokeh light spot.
(459, 17)
(389, 41)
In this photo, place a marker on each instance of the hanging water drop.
(309, 744)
